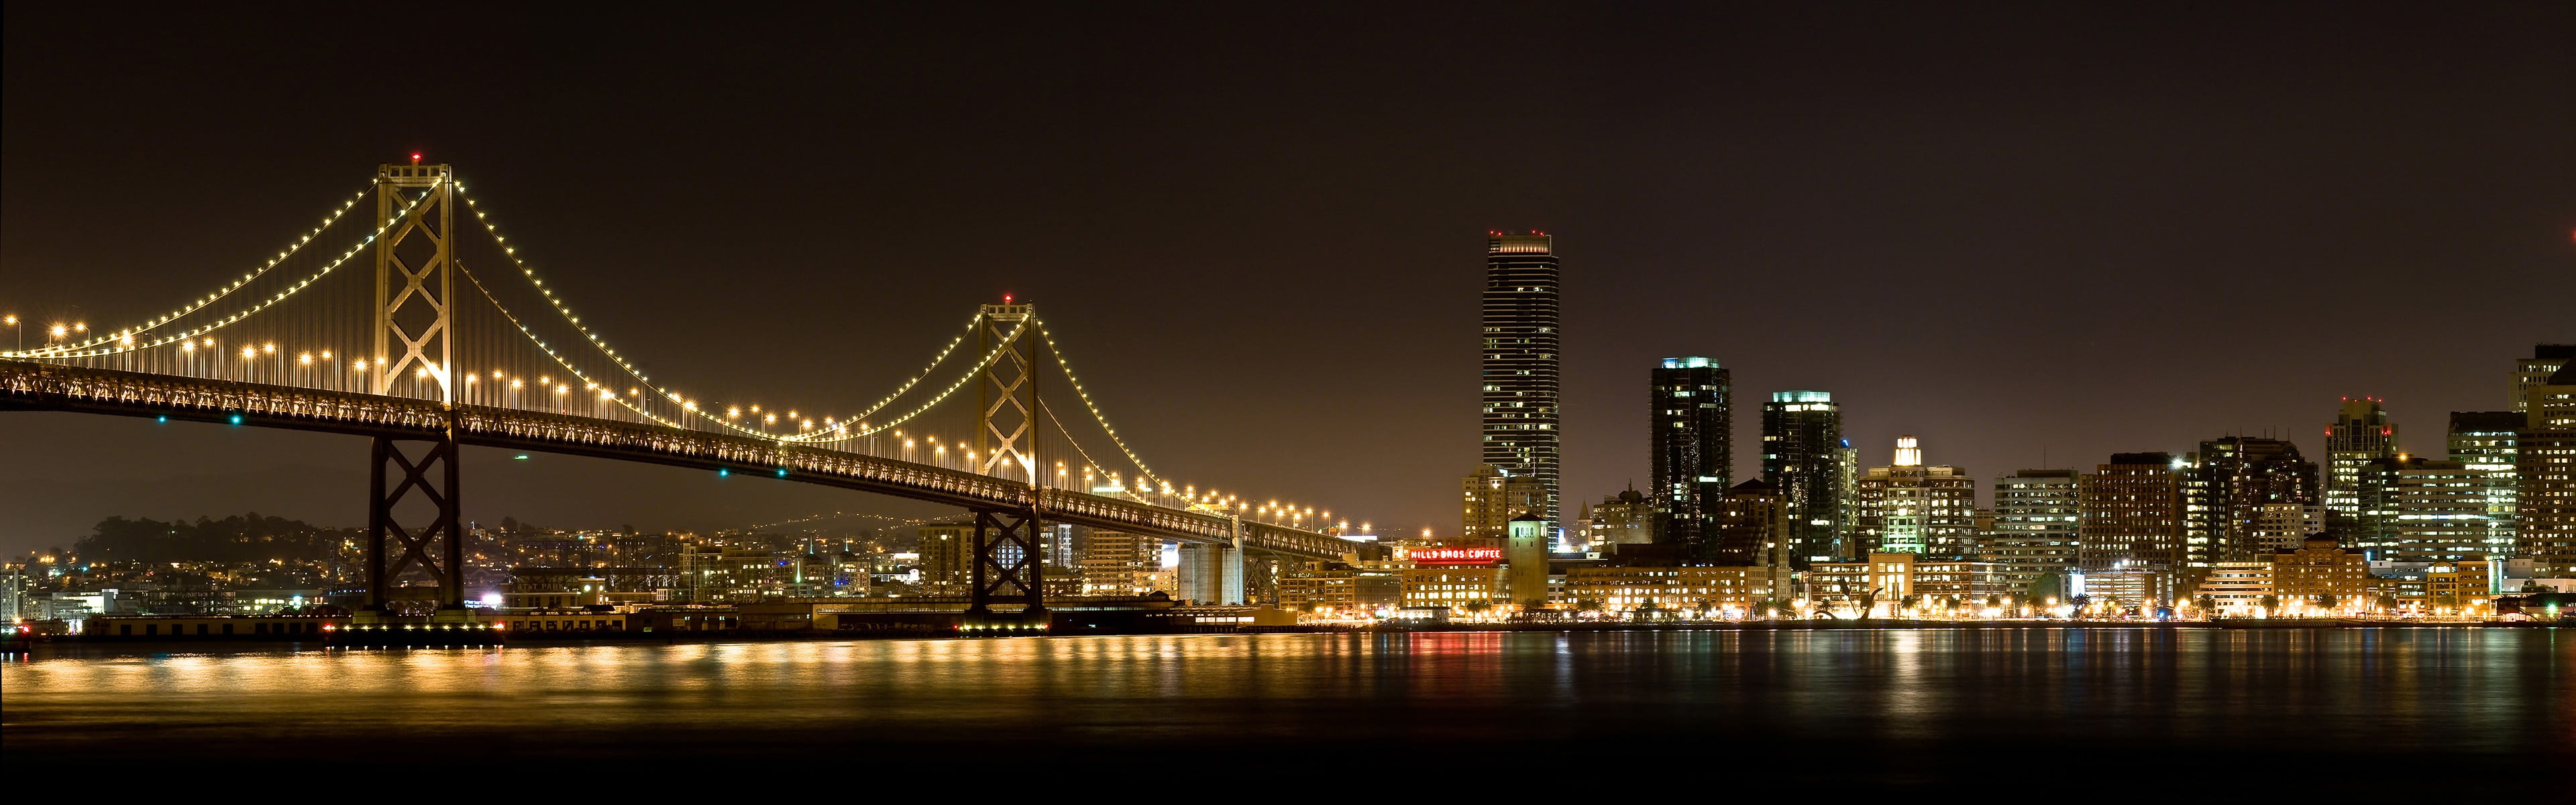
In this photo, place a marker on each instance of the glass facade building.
(1804, 455)
(1691, 445)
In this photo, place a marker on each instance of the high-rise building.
(2545, 460)
(1907, 507)
(1802, 455)
(2435, 510)
(2132, 518)
(1691, 409)
(1492, 496)
(2361, 434)
(2545, 360)
(1520, 360)
(1847, 541)
(2034, 527)
(2227, 488)
(2487, 441)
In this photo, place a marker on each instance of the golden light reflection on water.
(2451, 690)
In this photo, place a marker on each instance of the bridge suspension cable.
(123, 340)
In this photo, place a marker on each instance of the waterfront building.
(1690, 411)
(2361, 434)
(2123, 589)
(1340, 588)
(1712, 590)
(1883, 581)
(1907, 507)
(2324, 574)
(2233, 492)
(1627, 518)
(2545, 360)
(2545, 461)
(1491, 497)
(2132, 518)
(1462, 587)
(1803, 454)
(1120, 563)
(2486, 441)
(1847, 541)
(2033, 535)
(1520, 373)
(2235, 589)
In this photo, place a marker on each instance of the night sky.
(2031, 235)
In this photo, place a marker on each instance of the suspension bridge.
(453, 339)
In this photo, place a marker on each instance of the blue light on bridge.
(165, 419)
(722, 472)
(236, 419)
(782, 472)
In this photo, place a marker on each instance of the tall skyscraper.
(1907, 507)
(2487, 441)
(1802, 455)
(1692, 446)
(2132, 515)
(1520, 371)
(2034, 528)
(2545, 458)
(2545, 360)
(1491, 497)
(2232, 489)
(2361, 434)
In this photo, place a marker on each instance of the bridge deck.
(44, 387)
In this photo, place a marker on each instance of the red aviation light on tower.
(1006, 299)
(415, 157)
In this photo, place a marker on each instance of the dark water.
(2104, 714)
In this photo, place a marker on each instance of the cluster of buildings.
(2241, 524)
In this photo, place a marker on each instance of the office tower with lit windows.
(1689, 414)
(2545, 460)
(2433, 510)
(2545, 360)
(2361, 434)
(1802, 455)
(1489, 498)
(2232, 490)
(2487, 441)
(1751, 527)
(2131, 515)
(1907, 507)
(2033, 535)
(1520, 360)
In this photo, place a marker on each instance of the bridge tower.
(416, 516)
(1009, 568)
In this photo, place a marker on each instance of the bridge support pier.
(1212, 572)
(1009, 569)
(422, 494)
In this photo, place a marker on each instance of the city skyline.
(1647, 278)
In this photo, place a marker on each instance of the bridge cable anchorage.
(529, 272)
(67, 352)
(200, 303)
